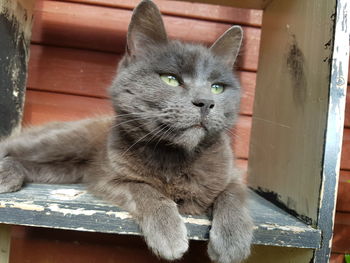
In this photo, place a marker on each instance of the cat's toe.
(166, 235)
(11, 179)
(169, 245)
(229, 245)
(171, 250)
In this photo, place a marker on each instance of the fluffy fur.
(164, 153)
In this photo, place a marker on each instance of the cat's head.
(171, 92)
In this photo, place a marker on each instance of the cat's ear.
(227, 46)
(146, 28)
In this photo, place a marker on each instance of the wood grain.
(347, 109)
(337, 258)
(5, 241)
(341, 238)
(40, 245)
(72, 24)
(343, 201)
(345, 157)
(73, 71)
(42, 107)
(255, 4)
(290, 106)
(51, 205)
(200, 11)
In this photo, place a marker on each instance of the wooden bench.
(295, 142)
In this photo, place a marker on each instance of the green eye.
(217, 88)
(170, 80)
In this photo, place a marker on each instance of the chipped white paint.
(5, 241)
(334, 136)
(121, 215)
(22, 205)
(66, 194)
(197, 221)
(65, 211)
(294, 229)
(81, 229)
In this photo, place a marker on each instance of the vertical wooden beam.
(5, 239)
(15, 30)
(334, 132)
(16, 18)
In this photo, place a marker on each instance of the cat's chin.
(190, 138)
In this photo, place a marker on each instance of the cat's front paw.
(11, 176)
(165, 233)
(230, 239)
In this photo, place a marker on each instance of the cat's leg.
(163, 228)
(11, 175)
(232, 228)
(54, 153)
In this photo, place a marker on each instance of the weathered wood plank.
(335, 122)
(341, 238)
(345, 156)
(191, 10)
(15, 31)
(296, 164)
(336, 258)
(268, 254)
(5, 240)
(289, 124)
(347, 108)
(42, 107)
(110, 25)
(343, 198)
(251, 4)
(71, 207)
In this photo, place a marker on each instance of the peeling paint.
(22, 205)
(121, 215)
(294, 229)
(66, 194)
(197, 221)
(65, 211)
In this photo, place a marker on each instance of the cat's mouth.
(197, 126)
(200, 125)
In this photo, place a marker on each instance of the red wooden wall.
(76, 46)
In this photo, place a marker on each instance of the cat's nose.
(203, 103)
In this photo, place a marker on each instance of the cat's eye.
(170, 80)
(217, 88)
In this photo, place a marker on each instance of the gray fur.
(161, 154)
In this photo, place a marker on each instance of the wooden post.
(5, 239)
(15, 31)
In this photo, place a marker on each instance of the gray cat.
(166, 151)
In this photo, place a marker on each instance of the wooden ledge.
(71, 207)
